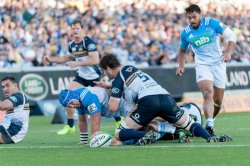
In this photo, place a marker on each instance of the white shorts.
(216, 73)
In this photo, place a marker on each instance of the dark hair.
(110, 61)
(12, 79)
(193, 8)
(76, 21)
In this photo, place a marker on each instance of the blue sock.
(128, 134)
(198, 131)
(130, 142)
(70, 122)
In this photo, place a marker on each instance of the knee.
(207, 94)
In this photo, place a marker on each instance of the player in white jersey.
(152, 101)
(83, 54)
(14, 126)
(202, 35)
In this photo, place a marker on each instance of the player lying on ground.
(14, 126)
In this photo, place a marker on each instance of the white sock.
(84, 138)
(165, 127)
(210, 122)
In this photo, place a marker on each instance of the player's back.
(137, 82)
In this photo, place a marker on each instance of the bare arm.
(6, 105)
(62, 59)
(181, 60)
(113, 104)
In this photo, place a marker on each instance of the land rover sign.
(34, 86)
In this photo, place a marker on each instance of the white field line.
(122, 147)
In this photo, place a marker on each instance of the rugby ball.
(100, 140)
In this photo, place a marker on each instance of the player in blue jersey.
(86, 103)
(202, 35)
(84, 56)
(14, 126)
(152, 101)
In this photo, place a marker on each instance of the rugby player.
(202, 35)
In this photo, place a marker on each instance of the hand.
(101, 84)
(180, 71)
(72, 64)
(226, 56)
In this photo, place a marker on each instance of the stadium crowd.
(140, 32)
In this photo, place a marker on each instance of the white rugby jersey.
(16, 121)
(79, 52)
(135, 84)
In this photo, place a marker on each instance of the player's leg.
(5, 137)
(205, 79)
(219, 73)
(70, 127)
(83, 128)
(218, 98)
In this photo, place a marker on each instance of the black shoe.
(213, 139)
(210, 130)
(225, 138)
(148, 138)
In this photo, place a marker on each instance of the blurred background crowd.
(140, 32)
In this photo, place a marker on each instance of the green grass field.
(42, 146)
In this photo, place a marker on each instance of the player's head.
(9, 86)
(68, 97)
(109, 63)
(76, 28)
(193, 13)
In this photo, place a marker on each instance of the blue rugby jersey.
(204, 41)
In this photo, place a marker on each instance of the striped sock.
(84, 138)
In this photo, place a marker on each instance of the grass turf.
(42, 146)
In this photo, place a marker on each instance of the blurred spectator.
(140, 32)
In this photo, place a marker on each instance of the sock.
(128, 134)
(165, 127)
(70, 122)
(210, 122)
(117, 118)
(198, 131)
(84, 138)
(130, 142)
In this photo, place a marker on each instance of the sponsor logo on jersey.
(91, 47)
(13, 98)
(34, 87)
(202, 40)
(136, 117)
(74, 49)
(92, 108)
(129, 69)
(115, 90)
(190, 36)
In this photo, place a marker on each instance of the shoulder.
(211, 21)
(128, 70)
(71, 43)
(87, 39)
(17, 98)
(186, 30)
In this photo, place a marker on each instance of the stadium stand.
(142, 32)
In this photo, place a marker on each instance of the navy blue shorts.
(150, 107)
(85, 82)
